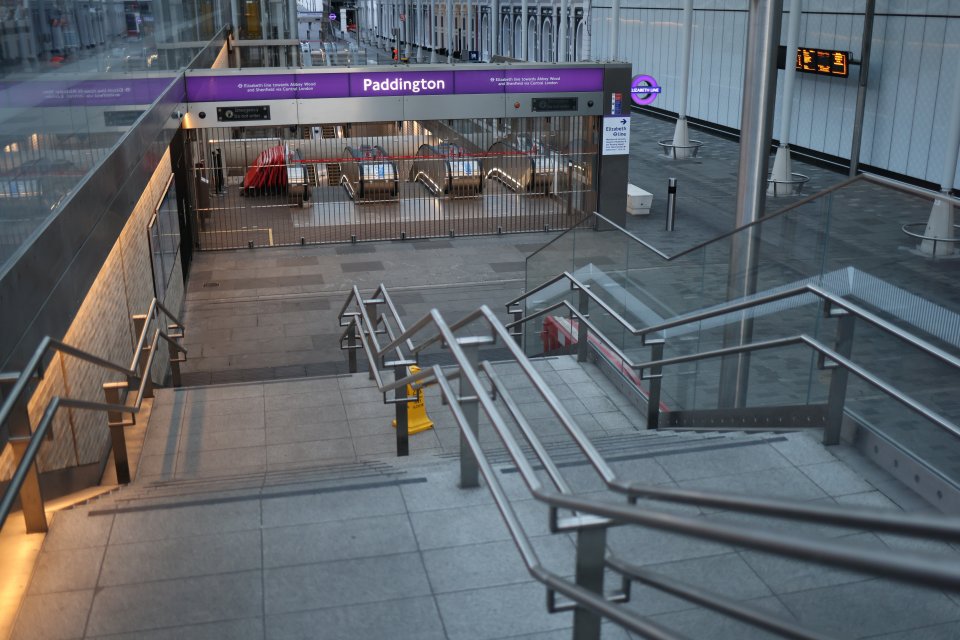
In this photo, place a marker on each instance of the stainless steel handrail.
(867, 177)
(741, 305)
(915, 568)
(936, 527)
(133, 376)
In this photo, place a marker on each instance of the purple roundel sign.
(332, 16)
(644, 90)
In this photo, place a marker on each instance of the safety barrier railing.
(590, 519)
(26, 441)
(651, 371)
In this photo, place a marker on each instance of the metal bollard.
(671, 203)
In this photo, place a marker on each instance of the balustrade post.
(31, 496)
(591, 551)
(655, 377)
(470, 405)
(583, 333)
(352, 347)
(139, 323)
(403, 441)
(371, 308)
(838, 377)
(113, 394)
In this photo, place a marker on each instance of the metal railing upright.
(590, 518)
(26, 441)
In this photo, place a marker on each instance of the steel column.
(655, 378)
(470, 405)
(866, 43)
(112, 392)
(403, 441)
(838, 379)
(583, 332)
(591, 550)
(756, 125)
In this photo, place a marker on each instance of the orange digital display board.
(824, 62)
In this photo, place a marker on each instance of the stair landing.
(278, 510)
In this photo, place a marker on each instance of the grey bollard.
(671, 203)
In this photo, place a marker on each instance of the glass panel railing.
(834, 240)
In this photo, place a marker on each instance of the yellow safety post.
(417, 419)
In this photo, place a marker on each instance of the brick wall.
(102, 326)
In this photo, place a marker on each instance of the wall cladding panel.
(908, 100)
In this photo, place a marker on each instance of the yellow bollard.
(417, 419)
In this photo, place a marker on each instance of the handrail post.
(371, 309)
(31, 496)
(583, 332)
(470, 405)
(518, 328)
(591, 550)
(655, 377)
(112, 392)
(139, 325)
(838, 377)
(174, 354)
(352, 347)
(403, 441)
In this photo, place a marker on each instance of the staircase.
(280, 508)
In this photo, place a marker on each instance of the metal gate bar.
(335, 183)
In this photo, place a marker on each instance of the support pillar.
(782, 166)
(681, 133)
(942, 216)
(756, 124)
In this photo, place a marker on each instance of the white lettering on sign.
(616, 136)
(398, 84)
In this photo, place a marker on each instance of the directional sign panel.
(616, 136)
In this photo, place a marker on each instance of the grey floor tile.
(181, 521)
(306, 416)
(222, 553)
(647, 546)
(175, 603)
(53, 616)
(785, 482)
(339, 540)
(498, 612)
(68, 570)
(75, 529)
(864, 609)
(206, 462)
(279, 433)
(314, 398)
(693, 622)
(242, 629)
(494, 563)
(724, 462)
(835, 478)
(327, 507)
(442, 491)
(314, 451)
(406, 619)
(344, 583)
(725, 574)
(459, 526)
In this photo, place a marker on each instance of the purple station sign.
(290, 86)
(82, 93)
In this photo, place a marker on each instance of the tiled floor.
(278, 510)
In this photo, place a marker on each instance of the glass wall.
(75, 75)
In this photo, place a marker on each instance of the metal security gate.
(312, 184)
